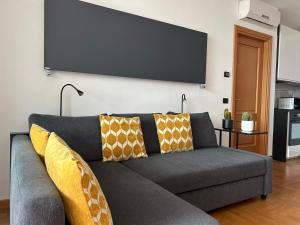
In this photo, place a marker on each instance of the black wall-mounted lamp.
(80, 93)
(183, 99)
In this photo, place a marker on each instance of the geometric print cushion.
(122, 138)
(174, 132)
(84, 201)
(92, 191)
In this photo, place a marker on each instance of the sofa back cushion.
(81, 133)
(149, 131)
(203, 131)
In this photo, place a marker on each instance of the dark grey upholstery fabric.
(268, 175)
(149, 131)
(34, 199)
(82, 134)
(203, 130)
(187, 171)
(219, 196)
(209, 178)
(134, 200)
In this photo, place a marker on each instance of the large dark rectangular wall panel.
(87, 38)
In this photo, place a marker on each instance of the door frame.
(266, 79)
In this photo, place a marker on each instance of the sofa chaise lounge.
(169, 189)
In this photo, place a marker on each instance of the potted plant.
(247, 124)
(227, 122)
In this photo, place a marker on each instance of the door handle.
(237, 99)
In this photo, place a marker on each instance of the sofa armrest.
(34, 198)
(268, 176)
(269, 170)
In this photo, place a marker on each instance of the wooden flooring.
(4, 217)
(281, 208)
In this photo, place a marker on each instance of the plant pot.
(227, 124)
(247, 126)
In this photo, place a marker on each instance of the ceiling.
(290, 11)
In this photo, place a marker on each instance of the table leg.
(220, 138)
(237, 140)
(229, 139)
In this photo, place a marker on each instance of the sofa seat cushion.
(187, 171)
(135, 200)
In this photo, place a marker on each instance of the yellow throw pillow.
(84, 201)
(174, 132)
(39, 139)
(122, 138)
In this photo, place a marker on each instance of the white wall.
(24, 87)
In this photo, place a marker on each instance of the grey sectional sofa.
(170, 189)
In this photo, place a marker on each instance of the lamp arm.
(183, 99)
(61, 98)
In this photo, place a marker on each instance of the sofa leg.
(263, 197)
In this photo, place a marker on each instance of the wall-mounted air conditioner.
(259, 11)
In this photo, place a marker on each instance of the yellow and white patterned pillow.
(84, 201)
(174, 132)
(122, 138)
